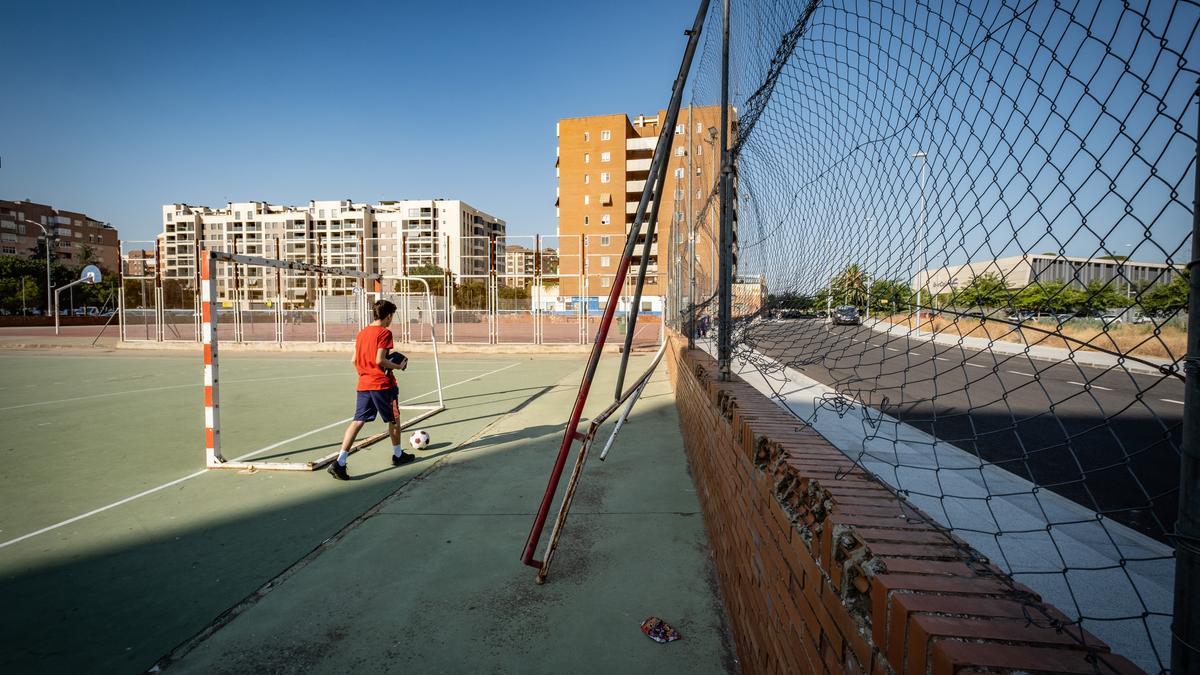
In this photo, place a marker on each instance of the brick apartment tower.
(602, 166)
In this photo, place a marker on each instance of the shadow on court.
(431, 582)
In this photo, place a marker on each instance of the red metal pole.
(576, 412)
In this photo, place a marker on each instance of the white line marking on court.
(1088, 386)
(1017, 372)
(142, 391)
(1171, 400)
(202, 472)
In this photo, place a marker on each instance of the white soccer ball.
(419, 439)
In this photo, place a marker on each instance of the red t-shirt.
(366, 345)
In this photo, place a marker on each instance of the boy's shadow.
(419, 460)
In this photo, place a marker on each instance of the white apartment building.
(387, 238)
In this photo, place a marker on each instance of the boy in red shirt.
(377, 391)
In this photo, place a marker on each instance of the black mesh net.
(962, 231)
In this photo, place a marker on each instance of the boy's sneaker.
(338, 471)
(404, 458)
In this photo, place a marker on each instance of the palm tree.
(851, 285)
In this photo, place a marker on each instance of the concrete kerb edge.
(1038, 353)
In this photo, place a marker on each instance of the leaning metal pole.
(571, 433)
(725, 306)
(1185, 627)
(660, 182)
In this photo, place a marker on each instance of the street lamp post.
(49, 286)
(866, 275)
(921, 155)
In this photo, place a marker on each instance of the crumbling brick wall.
(824, 569)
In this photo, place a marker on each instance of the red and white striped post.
(208, 340)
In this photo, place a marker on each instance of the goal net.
(280, 294)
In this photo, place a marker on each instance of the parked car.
(846, 315)
(1111, 317)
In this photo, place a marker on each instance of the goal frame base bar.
(429, 411)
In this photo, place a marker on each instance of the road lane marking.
(974, 365)
(1171, 400)
(939, 358)
(1088, 386)
(892, 349)
(1017, 372)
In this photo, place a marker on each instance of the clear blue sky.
(116, 108)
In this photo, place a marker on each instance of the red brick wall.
(824, 569)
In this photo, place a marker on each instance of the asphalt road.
(1104, 438)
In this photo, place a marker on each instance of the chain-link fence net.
(962, 231)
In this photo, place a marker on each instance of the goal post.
(210, 299)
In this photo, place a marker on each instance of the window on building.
(587, 158)
(699, 150)
(605, 240)
(678, 129)
(606, 157)
(606, 199)
(606, 135)
(169, 217)
(605, 219)
(680, 151)
(679, 172)
(9, 250)
(604, 282)
(697, 171)
(587, 199)
(605, 177)
(585, 220)
(699, 127)
(587, 136)
(605, 261)
(647, 306)
(586, 179)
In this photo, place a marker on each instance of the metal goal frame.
(209, 343)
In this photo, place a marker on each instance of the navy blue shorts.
(382, 401)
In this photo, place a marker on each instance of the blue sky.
(116, 108)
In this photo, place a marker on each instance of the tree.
(890, 295)
(1166, 298)
(434, 275)
(1101, 296)
(850, 286)
(985, 290)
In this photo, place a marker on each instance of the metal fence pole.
(724, 344)
(1185, 628)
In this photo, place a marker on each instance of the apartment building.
(603, 163)
(391, 238)
(78, 238)
(445, 233)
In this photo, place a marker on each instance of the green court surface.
(118, 589)
(116, 545)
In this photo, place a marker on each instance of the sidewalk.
(431, 579)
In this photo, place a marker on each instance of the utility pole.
(691, 303)
(921, 155)
(724, 343)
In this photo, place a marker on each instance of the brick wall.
(824, 569)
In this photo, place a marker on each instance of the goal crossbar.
(208, 318)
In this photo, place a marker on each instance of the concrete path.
(431, 580)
